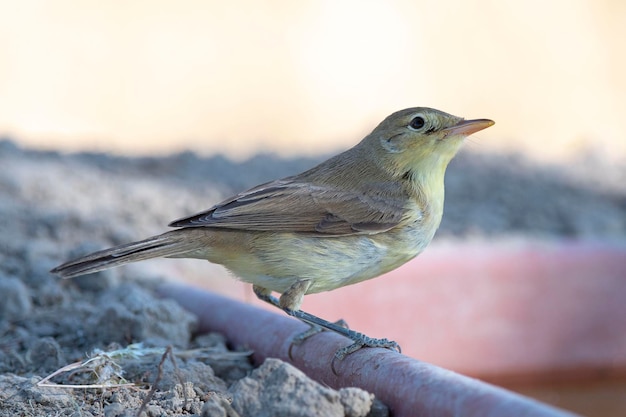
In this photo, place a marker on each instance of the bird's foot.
(311, 331)
(318, 324)
(360, 341)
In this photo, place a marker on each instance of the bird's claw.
(361, 341)
(311, 331)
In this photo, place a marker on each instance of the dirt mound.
(108, 329)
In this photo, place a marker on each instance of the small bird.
(351, 218)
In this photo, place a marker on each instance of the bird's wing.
(299, 207)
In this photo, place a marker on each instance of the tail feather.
(168, 244)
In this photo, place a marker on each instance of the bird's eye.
(417, 123)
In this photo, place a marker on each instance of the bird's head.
(420, 139)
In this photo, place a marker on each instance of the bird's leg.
(360, 340)
(290, 302)
(264, 294)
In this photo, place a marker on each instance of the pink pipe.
(407, 386)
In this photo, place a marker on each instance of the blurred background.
(309, 77)
(525, 282)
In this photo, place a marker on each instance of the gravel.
(112, 330)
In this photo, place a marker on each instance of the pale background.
(301, 77)
(151, 77)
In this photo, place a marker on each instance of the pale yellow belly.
(276, 260)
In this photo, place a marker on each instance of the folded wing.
(300, 207)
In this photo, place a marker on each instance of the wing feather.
(300, 207)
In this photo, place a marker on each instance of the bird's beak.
(467, 127)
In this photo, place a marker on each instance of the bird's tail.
(168, 244)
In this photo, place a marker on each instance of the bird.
(353, 217)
